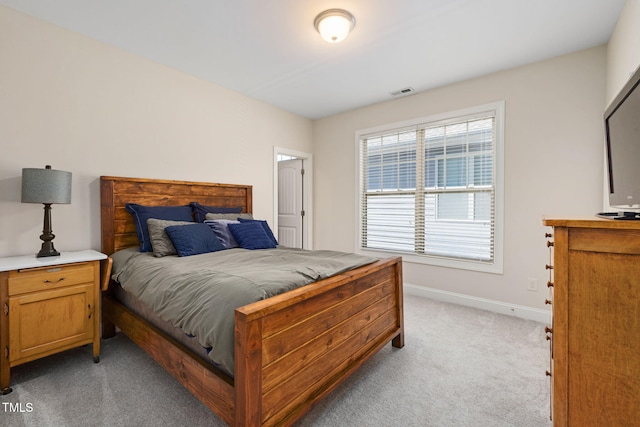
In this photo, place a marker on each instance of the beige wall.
(553, 165)
(623, 58)
(623, 50)
(91, 109)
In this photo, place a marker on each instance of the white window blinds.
(430, 189)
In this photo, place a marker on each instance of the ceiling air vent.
(403, 92)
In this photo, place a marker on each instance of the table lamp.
(47, 186)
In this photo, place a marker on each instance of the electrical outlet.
(532, 284)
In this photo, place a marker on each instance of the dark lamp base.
(44, 254)
(47, 250)
(47, 235)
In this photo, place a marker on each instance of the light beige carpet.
(459, 367)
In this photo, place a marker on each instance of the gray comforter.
(200, 293)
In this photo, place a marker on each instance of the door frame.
(307, 200)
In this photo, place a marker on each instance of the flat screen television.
(622, 132)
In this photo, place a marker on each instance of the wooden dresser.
(595, 332)
(48, 305)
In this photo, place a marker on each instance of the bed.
(325, 330)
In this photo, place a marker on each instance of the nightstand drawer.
(45, 278)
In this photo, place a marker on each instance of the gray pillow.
(160, 241)
(221, 229)
(230, 216)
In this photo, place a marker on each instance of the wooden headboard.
(118, 228)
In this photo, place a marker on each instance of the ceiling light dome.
(334, 25)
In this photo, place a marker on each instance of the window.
(432, 189)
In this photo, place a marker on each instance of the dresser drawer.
(45, 278)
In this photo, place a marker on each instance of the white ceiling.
(269, 49)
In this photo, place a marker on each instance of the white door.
(290, 203)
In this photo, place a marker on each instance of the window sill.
(493, 268)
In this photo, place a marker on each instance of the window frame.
(496, 267)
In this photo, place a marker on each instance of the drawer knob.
(549, 244)
(548, 267)
(548, 235)
(548, 301)
(548, 330)
(51, 281)
(549, 284)
(548, 373)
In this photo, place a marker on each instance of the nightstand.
(48, 305)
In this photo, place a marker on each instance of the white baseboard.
(521, 311)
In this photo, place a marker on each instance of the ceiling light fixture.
(334, 25)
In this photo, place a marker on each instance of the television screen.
(622, 131)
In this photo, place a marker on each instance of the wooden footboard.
(293, 349)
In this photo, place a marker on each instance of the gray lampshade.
(46, 186)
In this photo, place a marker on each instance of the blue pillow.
(193, 239)
(142, 213)
(200, 211)
(265, 226)
(251, 235)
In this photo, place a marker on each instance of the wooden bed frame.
(291, 350)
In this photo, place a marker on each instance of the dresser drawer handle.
(50, 281)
